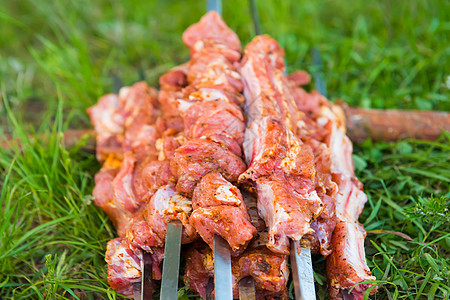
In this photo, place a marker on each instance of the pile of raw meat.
(229, 145)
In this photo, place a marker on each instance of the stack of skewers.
(233, 157)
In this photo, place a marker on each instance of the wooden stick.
(377, 124)
(394, 125)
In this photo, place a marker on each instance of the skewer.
(223, 281)
(171, 264)
(222, 259)
(300, 262)
(247, 288)
(215, 5)
(302, 272)
(144, 289)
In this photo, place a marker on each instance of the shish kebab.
(146, 265)
(183, 186)
(222, 258)
(280, 119)
(301, 263)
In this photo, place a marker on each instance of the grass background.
(58, 57)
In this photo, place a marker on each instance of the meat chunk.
(123, 122)
(148, 227)
(346, 265)
(350, 198)
(211, 67)
(323, 228)
(338, 233)
(214, 190)
(270, 147)
(203, 119)
(219, 209)
(167, 146)
(226, 221)
(104, 195)
(284, 173)
(212, 28)
(198, 157)
(299, 78)
(124, 265)
(109, 124)
(114, 192)
(148, 176)
(269, 270)
(267, 91)
(122, 185)
(199, 268)
(172, 84)
(288, 214)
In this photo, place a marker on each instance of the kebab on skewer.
(298, 156)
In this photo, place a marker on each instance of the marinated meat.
(268, 269)
(124, 265)
(219, 209)
(198, 157)
(104, 196)
(346, 265)
(148, 227)
(338, 233)
(175, 155)
(211, 28)
(214, 126)
(280, 165)
(109, 124)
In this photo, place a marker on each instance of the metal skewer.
(302, 273)
(144, 289)
(301, 263)
(215, 5)
(223, 282)
(222, 259)
(171, 264)
(247, 288)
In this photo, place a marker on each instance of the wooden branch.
(394, 125)
(377, 124)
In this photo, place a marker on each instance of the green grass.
(58, 57)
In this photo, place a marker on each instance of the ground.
(58, 57)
